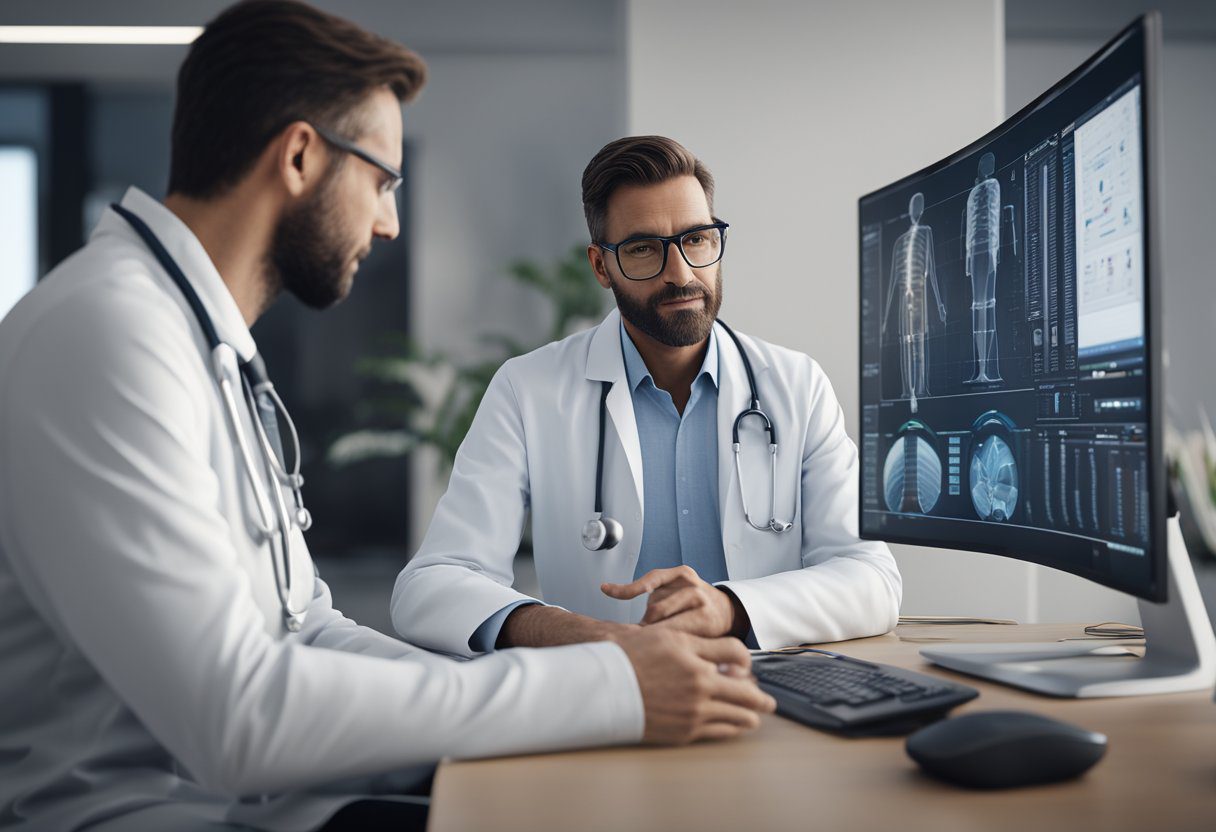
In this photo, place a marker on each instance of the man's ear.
(299, 157)
(595, 255)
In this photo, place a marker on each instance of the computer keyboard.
(838, 693)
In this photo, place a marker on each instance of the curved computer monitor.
(1010, 345)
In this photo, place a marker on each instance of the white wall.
(501, 137)
(800, 108)
(500, 145)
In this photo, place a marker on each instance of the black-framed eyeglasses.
(395, 177)
(645, 257)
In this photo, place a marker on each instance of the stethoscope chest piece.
(601, 533)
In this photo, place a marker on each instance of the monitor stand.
(1179, 654)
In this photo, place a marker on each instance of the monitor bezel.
(1149, 27)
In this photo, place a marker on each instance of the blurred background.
(798, 108)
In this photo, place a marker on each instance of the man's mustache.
(677, 293)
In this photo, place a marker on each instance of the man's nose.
(677, 271)
(387, 226)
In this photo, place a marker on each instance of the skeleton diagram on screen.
(982, 238)
(911, 268)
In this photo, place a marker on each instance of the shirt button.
(686, 511)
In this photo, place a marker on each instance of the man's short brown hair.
(636, 160)
(263, 64)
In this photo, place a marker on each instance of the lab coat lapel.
(184, 247)
(605, 363)
(733, 398)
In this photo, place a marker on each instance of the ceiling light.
(147, 35)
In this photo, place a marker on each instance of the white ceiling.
(482, 27)
(432, 27)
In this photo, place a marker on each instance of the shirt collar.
(195, 263)
(637, 372)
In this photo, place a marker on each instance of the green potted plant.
(429, 398)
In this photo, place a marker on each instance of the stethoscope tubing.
(602, 532)
(261, 500)
(274, 519)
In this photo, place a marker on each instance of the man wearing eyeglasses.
(677, 475)
(169, 657)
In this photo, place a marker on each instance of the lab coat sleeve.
(117, 535)
(462, 573)
(327, 627)
(847, 588)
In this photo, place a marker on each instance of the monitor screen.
(1007, 367)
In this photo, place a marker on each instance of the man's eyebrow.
(633, 234)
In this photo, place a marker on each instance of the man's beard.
(307, 254)
(679, 328)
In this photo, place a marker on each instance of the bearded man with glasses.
(715, 469)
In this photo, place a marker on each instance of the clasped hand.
(680, 600)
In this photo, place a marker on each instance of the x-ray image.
(982, 238)
(912, 474)
(994, 468)
(913, 275)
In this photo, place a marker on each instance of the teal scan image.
(912, 473)
(993, 476)
(1004, 373)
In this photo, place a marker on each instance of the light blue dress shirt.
(679, 469)
(679, 475)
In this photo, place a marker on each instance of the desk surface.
(1159, 772)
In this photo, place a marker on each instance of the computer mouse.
(999, 749)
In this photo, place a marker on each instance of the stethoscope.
(274, 517)
(602, 532)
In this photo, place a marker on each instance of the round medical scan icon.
(994, 480)
(912, 475)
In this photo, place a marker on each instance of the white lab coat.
(533, 445)
(146, 676)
